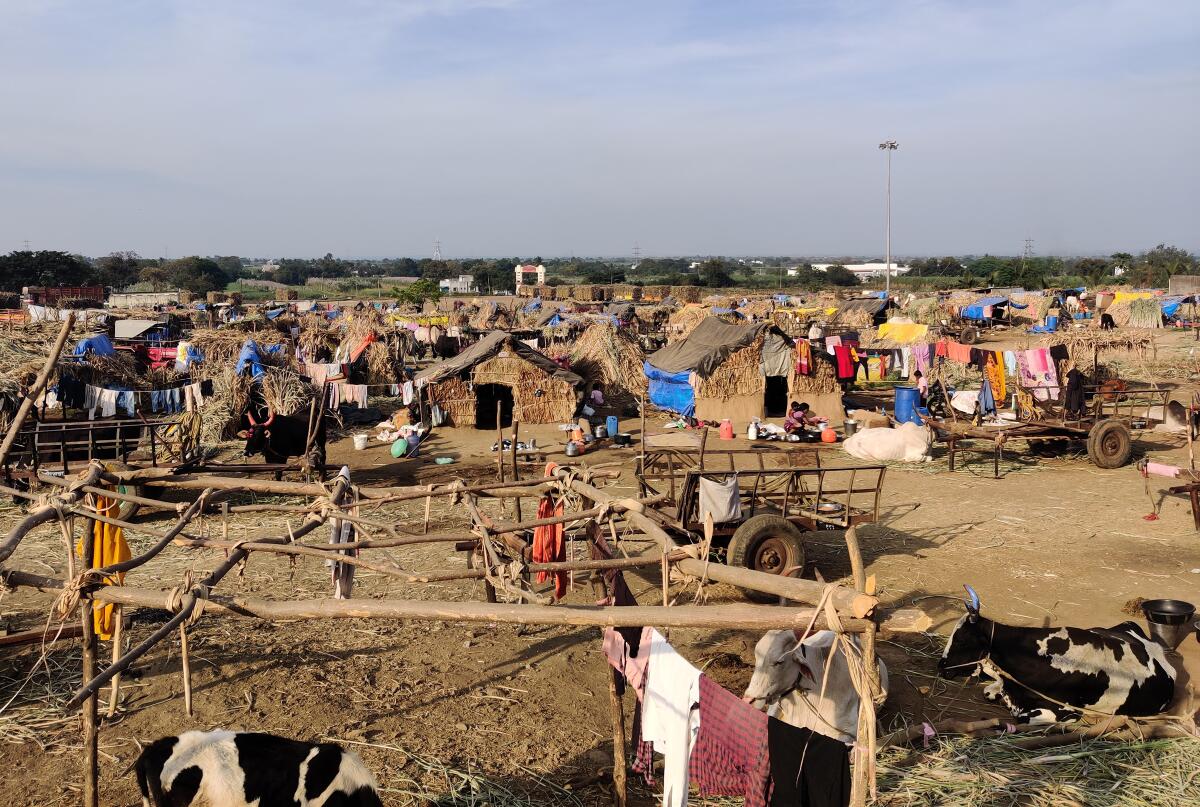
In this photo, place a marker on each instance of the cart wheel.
(766, 543)
(969, 335)
(1110, 444)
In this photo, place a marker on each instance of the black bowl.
(1168, 612)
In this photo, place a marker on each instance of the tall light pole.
(889, 146)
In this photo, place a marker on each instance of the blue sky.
(531, 127)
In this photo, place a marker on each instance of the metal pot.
(851, 427)
(1168, 620)
(601, 432)
(622, 439)
(572, 449)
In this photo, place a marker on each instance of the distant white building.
(463, 284)
(268, 268)
(523, 271)
(865, 270)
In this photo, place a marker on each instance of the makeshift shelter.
(864, 312)
(612, 356)
(723, 370)
(987, 310)
(529, 387)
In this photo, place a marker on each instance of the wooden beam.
(39, 383)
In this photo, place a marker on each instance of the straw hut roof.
(486, 348)
(612, 356)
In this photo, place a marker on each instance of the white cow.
(908, 442)
(789, 676)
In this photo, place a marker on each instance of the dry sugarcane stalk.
(14, 426)
(187, 670)
(41, 515)
(91, 739)
(114, 696)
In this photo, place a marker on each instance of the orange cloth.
(995, 376)
(548, 543)
(108, 547)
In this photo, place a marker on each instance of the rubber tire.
(747, 541)
(1109, 444)
(969, 335)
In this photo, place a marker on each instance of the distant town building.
(523, 271)
(268, 268)
(463, 284)
(143, 299)
(864, 270)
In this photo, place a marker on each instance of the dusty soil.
(1053, 541)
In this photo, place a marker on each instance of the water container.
(905, 409)
(360, 441)
(851, 427)
(726, 429)
(1052, 324)
(612, 425)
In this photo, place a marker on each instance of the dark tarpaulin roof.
(486, 348)
(872, 306)
(622, 310)
(704, 348)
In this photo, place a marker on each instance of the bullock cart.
(782, 493)
(1108, 426)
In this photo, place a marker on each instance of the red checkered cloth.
(730, 757)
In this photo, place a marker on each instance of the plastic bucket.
(612, 424)
(360, 441)
(905, 408)
(1052, 323)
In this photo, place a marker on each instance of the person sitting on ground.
(598, 395)
(799, 416)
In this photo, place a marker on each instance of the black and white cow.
(1035, 671)
(244, 769)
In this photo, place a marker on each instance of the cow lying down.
(1045, 675)
(790, 682)
(908, 442)
(244, 769)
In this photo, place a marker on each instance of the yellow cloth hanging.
(108, 547)
(994, 370)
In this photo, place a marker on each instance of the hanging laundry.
(108, 547)
(354, 394)
(958, 352)
(832, 342)
(106, 401)
(846, 368)
(669, 721)
(731, 756)
(720, 498)
(942, 348)
(803, 357)
(1010, 363)
(407, 389)
(71, 392)
(632, 662)
(342, 532)
(987, 402)
(994, 372)
(905, 362)
(127, 401)
(922, 354)
(806, 768)
(548, 544)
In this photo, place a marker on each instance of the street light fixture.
(889, 146)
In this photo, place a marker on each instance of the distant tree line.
(118, 270)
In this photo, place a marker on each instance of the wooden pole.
(516, 475)
(38, 384)
(114, 695)
(620, 785)
(187, 670)
(91, 739)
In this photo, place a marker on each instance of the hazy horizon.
(531, 127)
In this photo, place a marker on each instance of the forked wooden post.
(863, 784)
(91, 740)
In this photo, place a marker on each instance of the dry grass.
(612, 356)
(740, 374)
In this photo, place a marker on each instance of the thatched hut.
(738, 372)
(611, 356)
(499, 369)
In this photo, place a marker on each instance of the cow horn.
(973, 603)
(250, 417)
(270, 418)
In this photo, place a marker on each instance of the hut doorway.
(775, 396)
(486, 397)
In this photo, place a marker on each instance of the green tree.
(196, 274)
(44, 268)
(156, 276)
(417, 293)
(231, 265)
(118, 269)
(715, 272)
(839, 275)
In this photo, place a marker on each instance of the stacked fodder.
(613, 357)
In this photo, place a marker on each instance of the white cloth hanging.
(668, 719)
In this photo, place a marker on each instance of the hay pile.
(924, 311)
(1083, 344)
(1145, 313)
(655, 294)
(222, 410)
(627, 293)
(740, 374)
(683, 321)
(686, 294)
(856, 318)
(220, 348)
(284, 392)
(613, 357)
(1097, 773)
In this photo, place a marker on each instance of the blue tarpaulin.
(275, 313)
(670, 391)
(975, 309)
(533, 306)
(97, 344)
(1170, 305)
(251, 356)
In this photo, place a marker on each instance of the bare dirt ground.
(474, 714)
